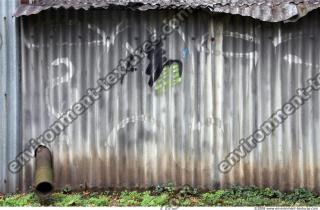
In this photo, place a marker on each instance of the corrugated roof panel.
(266, 10)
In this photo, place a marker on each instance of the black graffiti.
(129, 67)
(157, 62)
(157, 58)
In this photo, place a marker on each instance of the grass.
(169, 196)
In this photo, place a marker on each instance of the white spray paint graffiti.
(120, 27)
(154, 126)
(291, 58)
(101, 39)
(55, 84)
(138, 129)
(58, 81)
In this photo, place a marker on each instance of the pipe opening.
(44, 187)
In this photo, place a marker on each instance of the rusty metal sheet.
(235, 73)
(266, 10)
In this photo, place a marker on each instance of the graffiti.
(210, 121)
(282, 38)
(114, 39)
(294, 57)
(99, 36)
(171, 76)
(185, 52)
(129, 67)
(59, 81)
(147, 127)
(56, 83)
(163, 72)
(157, 58)
(241, 36)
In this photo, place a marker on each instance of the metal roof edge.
(286, 11)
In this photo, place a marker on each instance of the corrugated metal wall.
(9, 89)
(236, 72)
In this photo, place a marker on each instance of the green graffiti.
(169, 77)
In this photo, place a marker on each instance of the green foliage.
(97, 201)
(170, 188)
(66, 190)
(182, 202)
(159, 189)
(160, 200)
(20, 200)
(187, 190)
(213, 198)
(301, 195)
(253, 196)
(271, 193)
(130, 198)
(68, 200)
(167, 195)
(242, 192)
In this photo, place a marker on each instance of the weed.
(301, 195)
(187, 190)
(66, 190)
(68, 200)
(160, 200)
(20, 200)
(182, 202)
(212, 198)
(130, 198)
(159, 189)
(271, 193)
(168, 196)
(170, 188)
(97, 201)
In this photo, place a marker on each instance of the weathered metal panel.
(9, 89)
(235, 73)
(266, 10)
